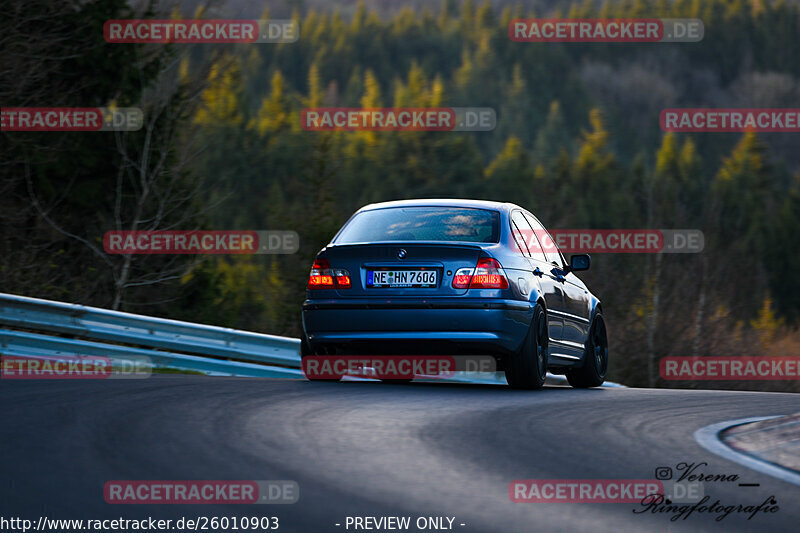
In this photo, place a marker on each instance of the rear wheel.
(527, 369)
(595, 358)
(305, 351)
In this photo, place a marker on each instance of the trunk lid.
(361, 259)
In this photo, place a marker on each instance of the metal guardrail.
(152, 334)
(46, 328)
(32, 345)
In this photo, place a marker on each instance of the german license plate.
(401, 278)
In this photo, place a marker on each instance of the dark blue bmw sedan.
(433, 277)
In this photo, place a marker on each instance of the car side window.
(519, 236)
(530, 237)
(547, 243)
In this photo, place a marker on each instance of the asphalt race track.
(370, 449)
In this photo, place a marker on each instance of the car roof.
(442, 202)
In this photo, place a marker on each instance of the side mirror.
(579, 262)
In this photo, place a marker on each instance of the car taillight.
(488, 274)
(322, 276)
(462, 278)
(342, 278)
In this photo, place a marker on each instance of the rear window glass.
(423, 224)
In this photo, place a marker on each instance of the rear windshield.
(423, 224)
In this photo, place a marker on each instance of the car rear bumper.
(435, 326)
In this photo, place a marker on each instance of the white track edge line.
(708, 438)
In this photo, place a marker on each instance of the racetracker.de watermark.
(71, 119)
(737, 120)
(583, 490)
(398, 119)
(609, 241)
(570, 30)
(394, 366)
(201, 242)
(75, 367)
(730, 368)
(202, 492)
(201, 31)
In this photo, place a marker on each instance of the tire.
(595, 358)
(305, 351)
(527, 369)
